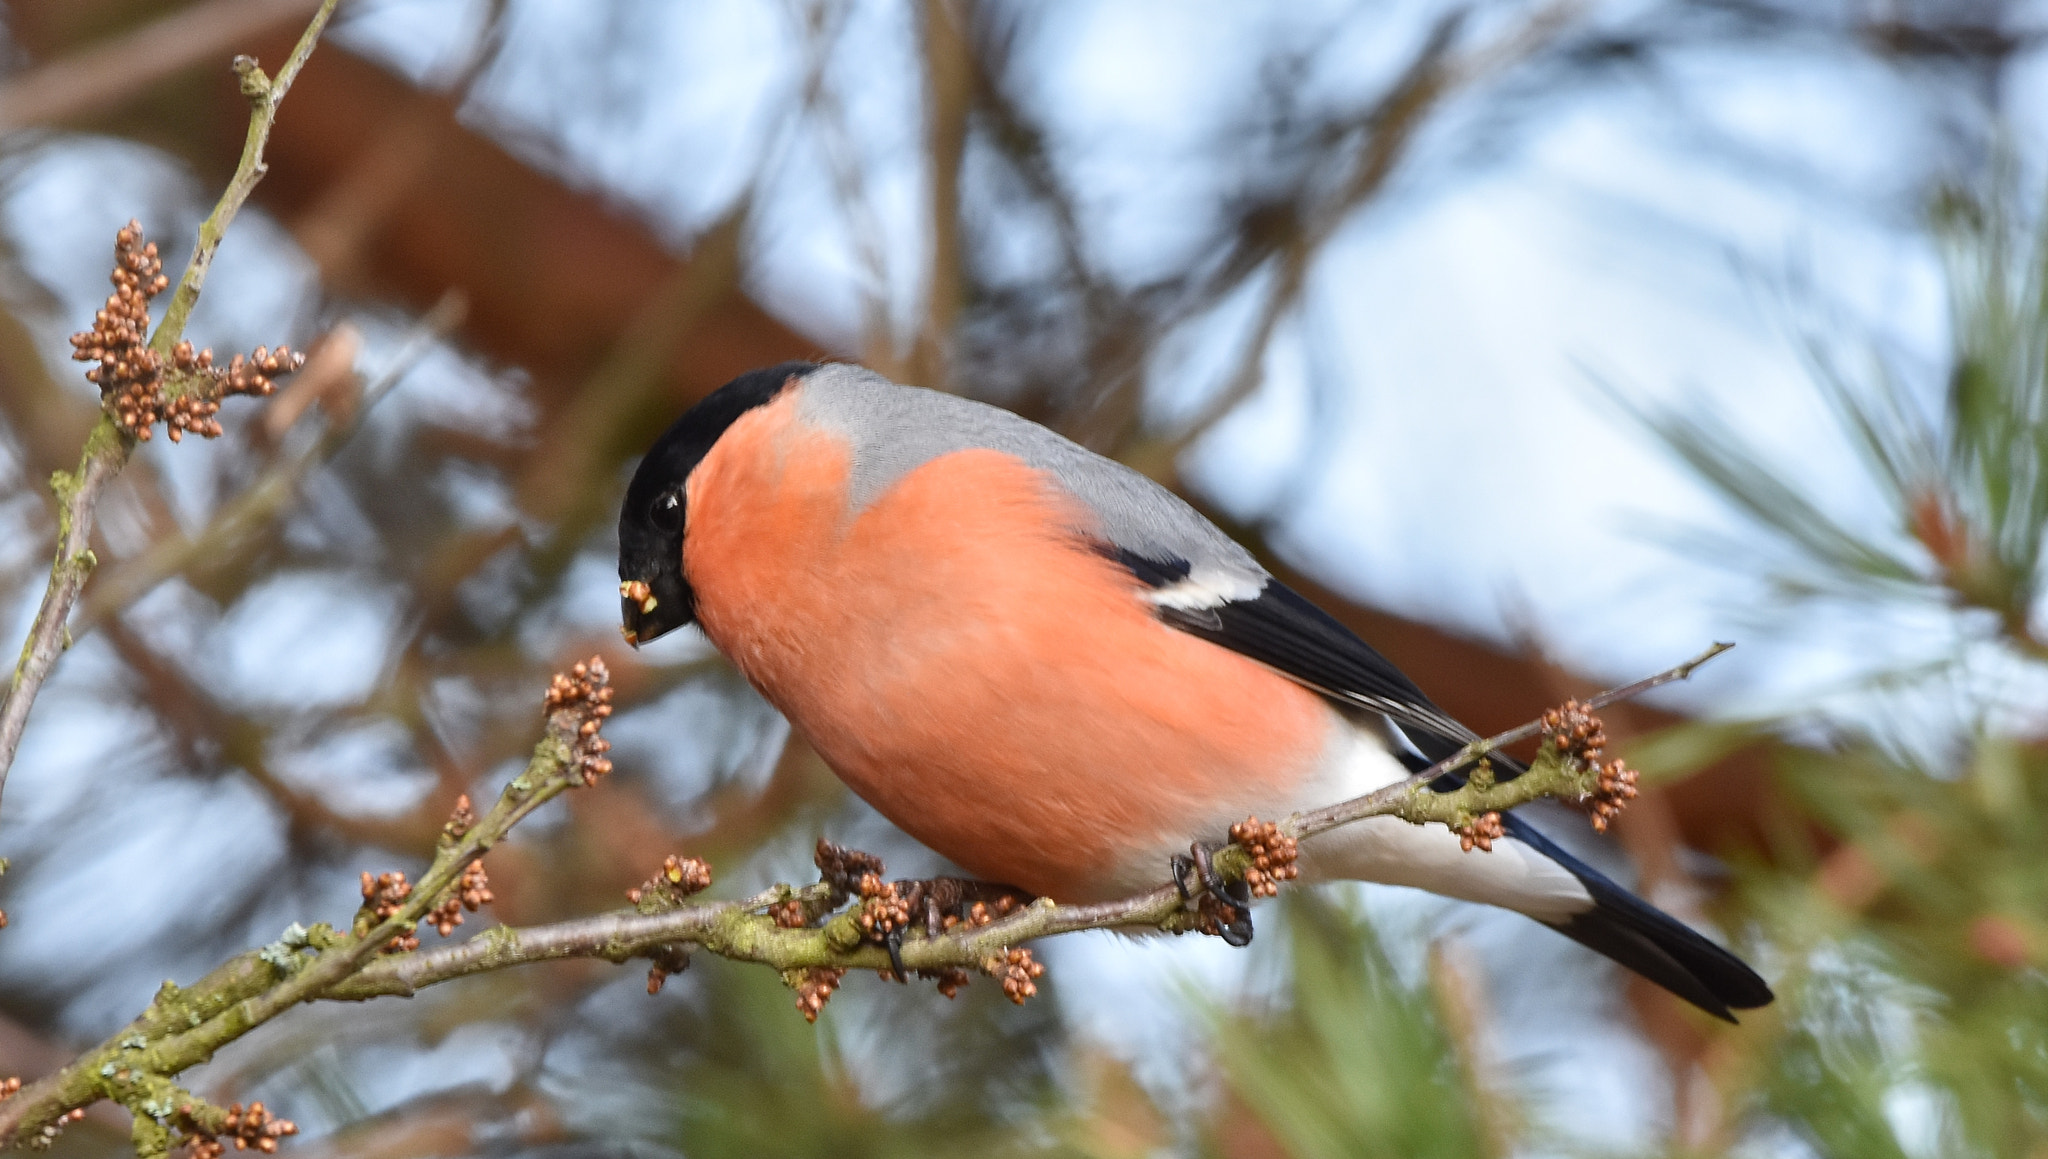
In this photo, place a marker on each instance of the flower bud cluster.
(816, 989)
(383, 896)
(132, 377)
(883, 909)
(472, 892)
(1484, 830)
(254, 1128)
(1018, 971)
(678, 878)
(584, 697)
(1273, 855)
(1582, 739)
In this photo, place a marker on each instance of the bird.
(1054, 672)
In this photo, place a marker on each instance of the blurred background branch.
(123, 66)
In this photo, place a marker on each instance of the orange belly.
(972, 669)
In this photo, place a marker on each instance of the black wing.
(1283, 631)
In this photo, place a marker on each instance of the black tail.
(1621, 925)
(1649, 941)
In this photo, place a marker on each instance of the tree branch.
(738, 931)
(108, 446)
(265, 95)
(1412, 801)
(106, 72)
(184, 1027)
(788, 928)
(943, 30)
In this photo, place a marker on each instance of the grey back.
(894, 429)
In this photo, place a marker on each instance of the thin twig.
(1374, 803)
(265, 94)
(943, 29)
(819, 103)
(107, 448)
(78, 493)
(1435, 74)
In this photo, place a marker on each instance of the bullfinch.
(1051, 670)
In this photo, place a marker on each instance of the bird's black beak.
(644, 614)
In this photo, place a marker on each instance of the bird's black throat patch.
(654, 514)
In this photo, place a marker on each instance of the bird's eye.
(667, 512)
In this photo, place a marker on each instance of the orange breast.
(968, 666)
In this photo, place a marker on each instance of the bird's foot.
(1229, 916)
(844, 869)
(886, 909)
(945, 902)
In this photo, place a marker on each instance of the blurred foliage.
(1961, 479)
(1906, 902)
(745, 1077)
(1348, 1059)
(1919, 1019)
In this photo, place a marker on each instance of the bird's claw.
(1234, 892)
(893, 942)
(945, 901)
(1232, 897)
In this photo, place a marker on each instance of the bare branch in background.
(105, 74)
(1390, 126)
(943, 30)
(1339, 163)
(333, 229)
(608, 414)
(818, 104)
